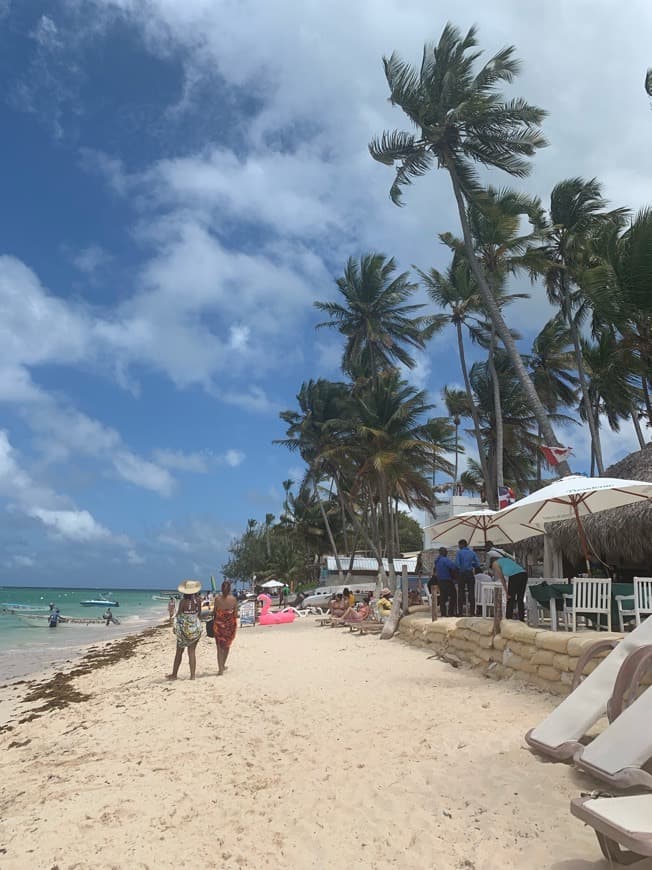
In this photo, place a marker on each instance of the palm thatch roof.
(622, 536)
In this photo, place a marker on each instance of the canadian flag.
(555, 455)
(506, 496)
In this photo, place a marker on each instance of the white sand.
(317, 749)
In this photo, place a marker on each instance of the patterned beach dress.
(224, 627)
(187, 628)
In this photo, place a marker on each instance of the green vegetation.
(369, 442)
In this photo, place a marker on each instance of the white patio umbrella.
(571, 497)
(272, 584)
(474, 526)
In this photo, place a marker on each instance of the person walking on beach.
(514, 579)
(187, 626)
(171, 608)
(225, 621)
(465, 562)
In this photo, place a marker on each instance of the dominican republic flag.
(505, 496)
(555, 455)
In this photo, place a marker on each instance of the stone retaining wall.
(538, 657)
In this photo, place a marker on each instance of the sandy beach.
(317, 749)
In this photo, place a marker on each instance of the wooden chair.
(591, 597)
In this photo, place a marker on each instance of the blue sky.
(179, 183)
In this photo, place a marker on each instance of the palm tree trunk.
(539, 456)
(329, 532)
(498, 414)
(457, 430)
(502, 329)
(645, 384)
(637, 427)
(474, 411)
(345, 535)
(584, 389)
(362, 531)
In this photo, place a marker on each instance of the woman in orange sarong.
(225, 621)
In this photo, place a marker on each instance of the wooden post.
(405, 592)
(498, 611)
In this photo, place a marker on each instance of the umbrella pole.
(583, 541)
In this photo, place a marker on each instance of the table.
(548, 594)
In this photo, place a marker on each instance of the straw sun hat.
(189, 587)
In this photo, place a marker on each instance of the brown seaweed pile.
(58, 691)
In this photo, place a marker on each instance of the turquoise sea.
(29, 646)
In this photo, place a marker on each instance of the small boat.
(99, 602)
(36, 619)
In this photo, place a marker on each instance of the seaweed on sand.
(58, 691)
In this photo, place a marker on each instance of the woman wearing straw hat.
(187, 627)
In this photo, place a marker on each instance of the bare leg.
(177, 662)
(192, 659)
(225, 655)
(220, 660)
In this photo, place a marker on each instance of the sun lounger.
(619, 754)
(559, 734)
(619, 822)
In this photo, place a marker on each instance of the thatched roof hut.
(621, 537)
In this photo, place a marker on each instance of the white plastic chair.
(590, 596)
(488, 592)
(642, 598)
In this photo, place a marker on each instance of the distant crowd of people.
(456, 579)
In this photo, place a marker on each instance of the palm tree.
(613, 391)
(458, 406)
(577, 216)
(311, 433)
(375, 318)
(456, 291)
(502, 250)
(619, 289)
(648, 82)
(550, 364)
(462, 121)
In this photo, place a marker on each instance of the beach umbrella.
(568, 498)
(474, 526)
(272, 584)
(213, 587)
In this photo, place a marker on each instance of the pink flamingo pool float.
(266, 617)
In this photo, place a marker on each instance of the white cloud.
(46, 33)
(143, 473)
(89, 260)
(233, 458)
(74, 525)
(199, 461)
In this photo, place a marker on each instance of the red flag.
(506, 496)
(555, 455)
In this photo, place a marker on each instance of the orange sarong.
(224, 627)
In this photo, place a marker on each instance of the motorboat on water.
(99, 602)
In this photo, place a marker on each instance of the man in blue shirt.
(465, 562)
(445, 576)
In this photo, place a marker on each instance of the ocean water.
(28, 647)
